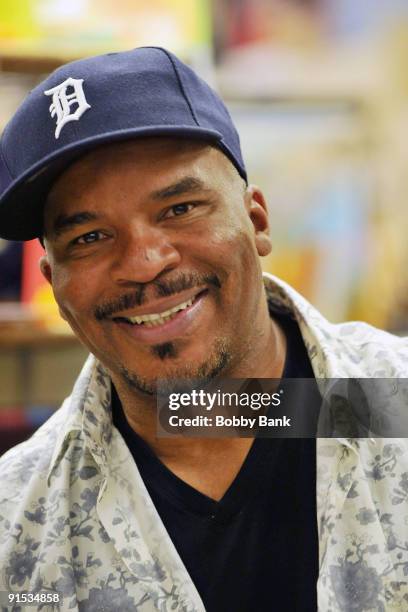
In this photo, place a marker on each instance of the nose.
(141, 255)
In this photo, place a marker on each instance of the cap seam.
(180, 82)
(3, 156)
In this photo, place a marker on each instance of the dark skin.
(135, 228)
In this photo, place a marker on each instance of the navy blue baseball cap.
(90, 102)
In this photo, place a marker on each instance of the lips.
(162, 308)
(164, 325)
(154, 319)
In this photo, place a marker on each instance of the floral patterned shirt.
(76, 518)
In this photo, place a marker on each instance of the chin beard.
(183, 377)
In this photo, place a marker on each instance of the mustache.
(162, 288)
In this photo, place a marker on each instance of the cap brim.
(21, 205)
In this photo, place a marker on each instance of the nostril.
(142, 253)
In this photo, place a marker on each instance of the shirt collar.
(87, 412)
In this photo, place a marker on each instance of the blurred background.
(319, 92)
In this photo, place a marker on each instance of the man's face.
(153, 255)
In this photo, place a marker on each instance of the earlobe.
(46, 268)
(263, 244)
(258, 213)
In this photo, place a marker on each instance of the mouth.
(165, 324)
(158, 318)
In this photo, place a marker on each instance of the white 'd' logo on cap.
(62, 102)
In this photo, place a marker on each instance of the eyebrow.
(188, 184)
(63, 223)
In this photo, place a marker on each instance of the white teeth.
(154, 319)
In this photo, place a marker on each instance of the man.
(128, 168)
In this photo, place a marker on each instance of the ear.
(46, 268)
(258, 213)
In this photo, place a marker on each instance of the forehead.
(150, 164)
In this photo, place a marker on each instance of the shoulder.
(27, 464)
(30, 461)
(378, 353)
(33, 507)
(352, 349)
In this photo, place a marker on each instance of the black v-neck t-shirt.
(256, 548)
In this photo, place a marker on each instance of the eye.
(179, 209)
(89, 237)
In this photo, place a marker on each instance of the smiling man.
(128, 168)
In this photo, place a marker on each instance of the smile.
(158, 318)
(166, 325)
(162, 325)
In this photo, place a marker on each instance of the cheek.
(230, 252)
(74, 297)
(233, 245)
(72, 292)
